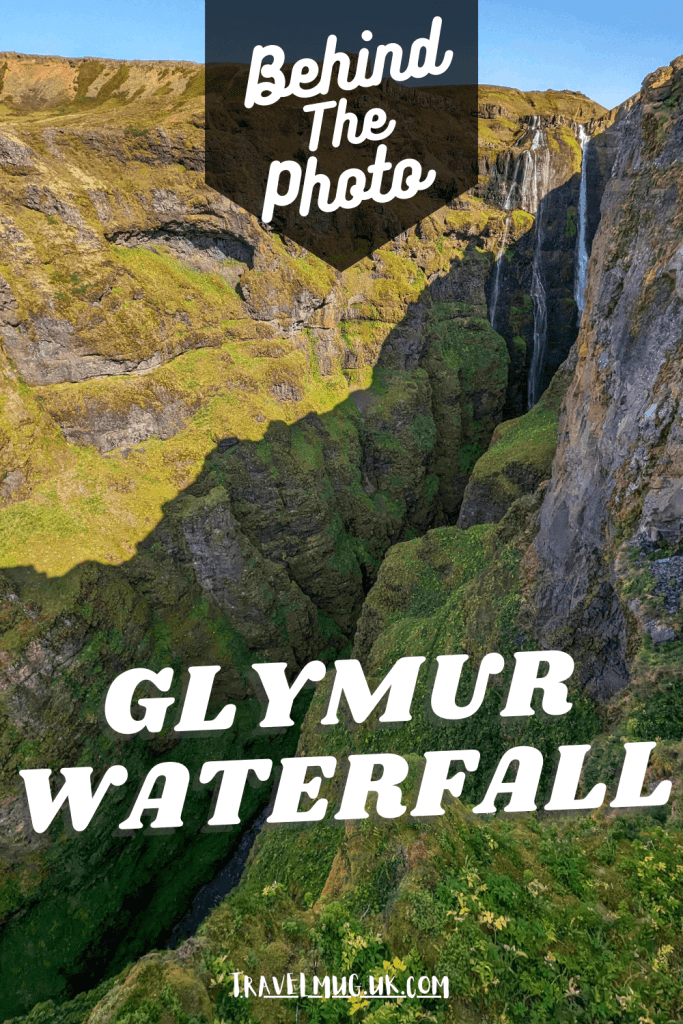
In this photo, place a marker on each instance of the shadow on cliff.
(266, 556)
(517, 314)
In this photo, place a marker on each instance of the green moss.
(570, 230)
(469, 346)
(469, 454)
(114, 84)
(196, 85)
(165, 276)
(462, 220)
(87, 73)
(572, 104)
(522, 221)
(424, 429)
(74, 1011)
(529, 441)
(499, 132)
(521, 452)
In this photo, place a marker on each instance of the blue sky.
(603, 48)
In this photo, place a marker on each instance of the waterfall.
(538, 299)
(506, 206)
(527, 190)
(581, 250)
(528, 199)
(538, 164)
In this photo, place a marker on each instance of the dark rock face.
(668, 573)
(106, 428)
(541, 257)
(617, 474)
(519, 458)
(9, 316)
(482, 504)
(198, 250)
(50, 353)
(14, 156)
(531, 294)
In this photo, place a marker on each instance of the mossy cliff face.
(532, 920)
(519, 457)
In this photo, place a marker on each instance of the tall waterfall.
(506, 206)
(525, 189)
(581, 249)
(537, 173)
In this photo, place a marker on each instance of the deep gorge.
(394, 411)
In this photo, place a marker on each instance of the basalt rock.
(617, 475)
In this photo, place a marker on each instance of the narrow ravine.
(211, 894)
(526, 189)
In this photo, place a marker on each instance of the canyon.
(218, 449)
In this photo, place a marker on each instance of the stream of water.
(210, 895)
(527, 190)
(581, 248)
(538, 178)
(501, 252)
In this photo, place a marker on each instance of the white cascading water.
(581, 249)
(526, 191)
(529, 186)
(506, 206)
(537, 173)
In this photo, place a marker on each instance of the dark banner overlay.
(341, 130)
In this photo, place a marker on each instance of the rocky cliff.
(217, 449)
(614, 505)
